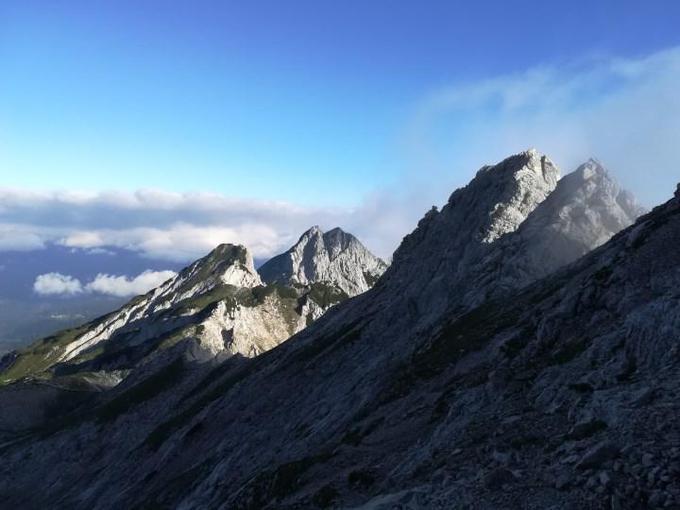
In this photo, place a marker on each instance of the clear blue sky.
(303, 101)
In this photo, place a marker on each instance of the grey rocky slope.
(218, 306)
(335, 257)
(558, 393)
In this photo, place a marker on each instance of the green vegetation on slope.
(326, 295)
(35, 359)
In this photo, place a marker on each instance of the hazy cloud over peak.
(623, 111)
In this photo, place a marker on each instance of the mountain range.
(521, 351)
(219, 306)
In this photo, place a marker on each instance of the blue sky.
(311, 102)
(166, 127)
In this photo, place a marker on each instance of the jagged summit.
(494, 203)
(333, 257)
(586, 208)
(227, 264)
(432, 264)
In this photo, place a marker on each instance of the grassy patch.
(468, 333)
(37, 358)
(226, 293)
(233, 297)
(326, 295)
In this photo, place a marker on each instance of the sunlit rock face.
(332, 257)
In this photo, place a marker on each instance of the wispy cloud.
(51, 284)
(625, 112)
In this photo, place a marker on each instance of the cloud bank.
(51, 284)
(625, 112)
(180, 226)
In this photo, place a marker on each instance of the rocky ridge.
(216, 307)
(553, 391)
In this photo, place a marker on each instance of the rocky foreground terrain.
(522, 351)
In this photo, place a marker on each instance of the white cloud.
(57, 283)
(122, 286)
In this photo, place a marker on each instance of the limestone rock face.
(433, 265)
(333, 257)
(226, 266)
(495, 364)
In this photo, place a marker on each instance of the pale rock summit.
(533, 178)
(227, 265)
(433, 265)
(584, 211)
(333, 257)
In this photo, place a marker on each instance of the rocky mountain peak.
(312, 232)
(593, 183)
(514, 223)
(337, 240)
(494, 203)
(517, 184)
(334, 257)
(227, 264)
(585, 210)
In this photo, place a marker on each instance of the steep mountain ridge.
(218, 304)
(409, 396)
(431, 265)
(333, 257)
